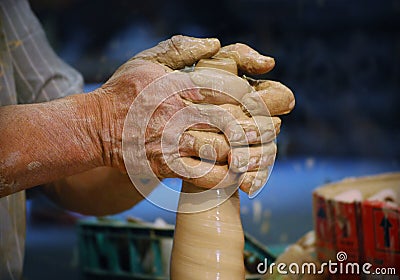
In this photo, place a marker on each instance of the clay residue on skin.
(173, 56)
(220, 82)
(259, 129)
(247, 59)
(12, 159)
(235, 111)
(33, 165)
(252, 181)
(284, 96)
(195, 140)
(259, 157)
(271, 98)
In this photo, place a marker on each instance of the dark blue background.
(340, 58)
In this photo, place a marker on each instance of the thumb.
(181, 51)
(247, 59)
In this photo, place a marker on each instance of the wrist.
(87, 114)
(105, 127)
(50, 140)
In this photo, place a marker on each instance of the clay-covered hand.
(146, 107)
(269, 98)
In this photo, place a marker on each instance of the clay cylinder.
(226, 64)
(209, 245)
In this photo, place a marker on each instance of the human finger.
(212, 175)
(208, 117)
(271, 98)
(180, 51)
(216, 87)
(235, 124)
(252, 158)
(252, 182)
(247, 59)
(206, 145)
(256, 130)
(234, 110)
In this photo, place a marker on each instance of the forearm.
(43, 142)
(100, 191)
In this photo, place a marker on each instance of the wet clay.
(208, 245)
(226, 64)
(246, 58)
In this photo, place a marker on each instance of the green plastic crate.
(114, 249)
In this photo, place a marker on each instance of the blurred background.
(340, 58)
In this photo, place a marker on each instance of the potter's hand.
(278, 98)
(269, 98)
(156, 104)
(117, 94)
(248, 139)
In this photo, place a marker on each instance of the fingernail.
(214, 41)
(251, 136)
(257, 183)
(267, 160)
(235, 133)
(253, 161)
(255, 188)
(242, 169)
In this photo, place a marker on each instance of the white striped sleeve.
(40, 75)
